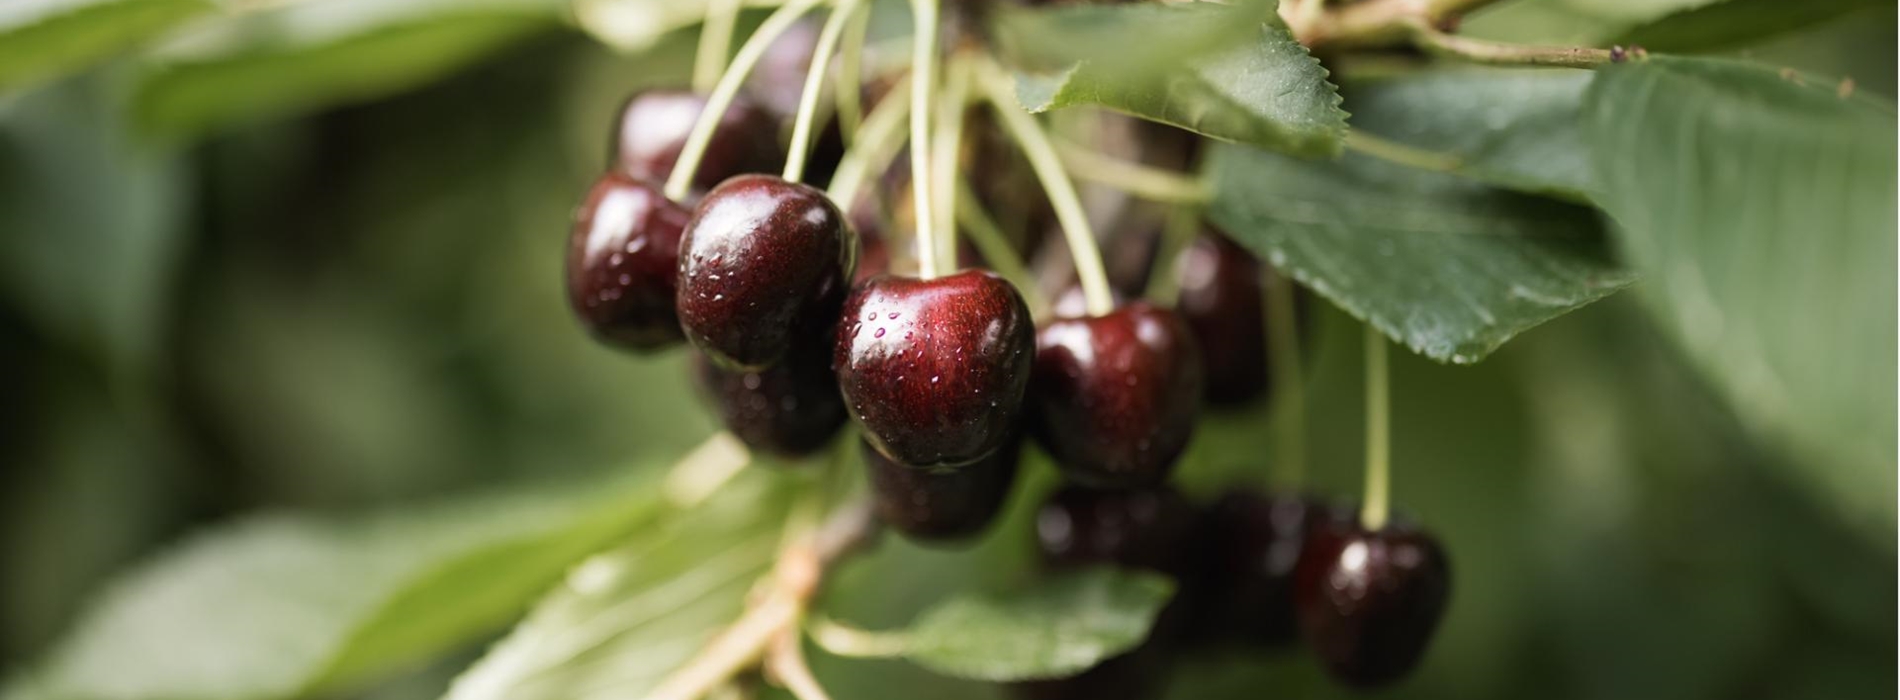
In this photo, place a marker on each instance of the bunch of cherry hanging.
(805, 318)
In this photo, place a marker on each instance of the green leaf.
(306, 56)
(1761, 205)
(626, 618)
(1569, 22)
(286, 605)
(1736, 22)
(42, 40)
(1260, 88)
(1060, 626)
(1511, 128)
(1443, 265)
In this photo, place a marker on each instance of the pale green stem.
(1164, 280)
(680, 181)
(945, 144)
(1378, 433)
(1361, 142)
(715, 39)
(998, 88)
(851, 76)
(815, 86)
(1133, 178)
(1283, 341)
(1492, 53)
(871, 153)
(923, 78)
(995, 247)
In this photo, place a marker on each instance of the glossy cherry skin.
(1115, 397)
(1368, 602)
(935, 370)
(1257, 542)
(652, 130)
(790, 409)
(622, 259)
(759, 257)
(941, 506)
(1221, 300)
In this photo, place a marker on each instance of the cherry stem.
(833, 30)
(1283, 342)
(1164, 278)
(715, 39)
(1361, 142)
(680, 181)
(872, 151)
(1492, 53)
(995, 247)
(946, 145)
(851, 75)
(1378, 436)
(1134, 178)
(923, 74)
(998, 88)
(709, 466)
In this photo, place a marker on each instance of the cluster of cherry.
(947, 375)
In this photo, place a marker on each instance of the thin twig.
(1131, 177)
(1492, 53)
(785, 661)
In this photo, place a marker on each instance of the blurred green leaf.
(1570, 22)
(626, 618)
(1267, 92)
(1511, 128)
(42, 39)
(284, 605)
(1736, 22)
(1146, 38)
(1443, 265)
(1761, 205)
(1059, 626)
(307, 56)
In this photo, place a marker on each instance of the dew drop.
(878, 334)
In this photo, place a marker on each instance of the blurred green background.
(312, 260)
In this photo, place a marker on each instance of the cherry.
(1221, 300)
(935, 370)
(760, 256)
(789, 409)
(1115, 397)
(1368, 601)
(941, 505)
(1257, 543)
(622, 257)
(1155, 529)
(653, 126)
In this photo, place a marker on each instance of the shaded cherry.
(1369, 601)
(1115, 397)
(652, 130)
(1156, 529)
(941, 505)
(622, 260)
(777, 83)
(935, 370)
(1221, 285)
(1257, 542)
(789, 409)
(759, 257)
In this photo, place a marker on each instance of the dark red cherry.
(1115, 397)
(935, 370)
(759, 257)
(1257, 540)
(1221, 300)
(790, 409)
(622, 258)
(1368, 602)
(1155, 529)
(653, 126)
(941, 505)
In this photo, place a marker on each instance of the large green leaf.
(1149, 38)
(626, 618)
(1736, 22)
(1265, 91)
(283, 605)
(1512, 128)
(1761, 206)
(1057, 627)
(1446, 266)
(306, 56)
(45, 38)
